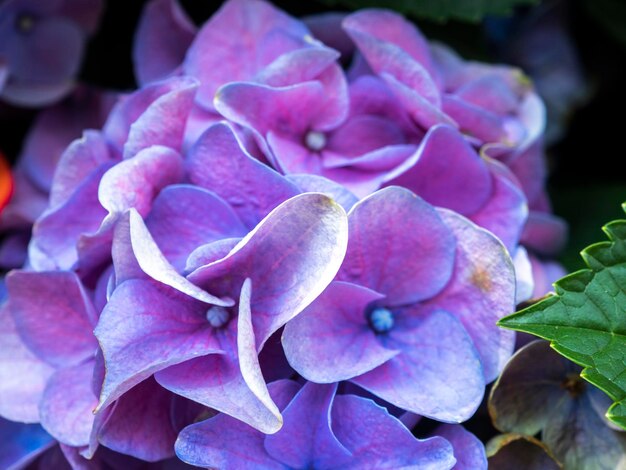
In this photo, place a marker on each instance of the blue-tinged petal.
(398, 246)
(468, 450)
(331, 339)
(437, 373)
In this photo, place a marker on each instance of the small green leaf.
(441, 10)
(586, 320)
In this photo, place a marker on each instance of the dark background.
(588, 178)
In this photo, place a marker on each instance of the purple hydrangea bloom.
(411, 317)
(41, 47)
(183, 262)
(321, 430)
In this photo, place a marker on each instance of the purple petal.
(367, 27)
(474, 121)
(209, 253)
(506, 211)
(421, 110)
(125, 264)
(84, 12)
(81, 158)
(67, 405)
(146, 327)
(326, 27)
(155, 265)
(297, 66)
(480, 292)
(21, 444)
(544, 233)
(249, 363)
(447, 172)
(468, 450)
(163, 36)
(331, 339)
(307, 439)
(216, 382)
(304, 235)
(437, 374)
(384, 228)
(379, 440)
(140, 424)
(318, 184)
(53, 315)
(221, 52)
(290, 110)
(219, 162)
(129, 108)
(217, 442)
(56, 233)
(365, 133)
(163, 122)
(135, 183)
(490, 93)
(23, 376)
(183, 217)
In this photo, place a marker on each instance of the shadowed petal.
(56, 233)
(218, 442)
(378, 440)
(145, 328)
(141, 424)
(291, 256)
(216, 382)
(398, 246)
(183, 217)
(331, 339)
(53, 315)
(437, 374)
(155, 265)
(480, 292)
(506, 210)
(67, 405)
(219, 162)
(307, 439)
(163, 35)
(23, 376)
(468, 450)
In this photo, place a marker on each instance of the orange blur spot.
(6, 182)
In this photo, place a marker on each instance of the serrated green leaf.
(441, 10)
(586, 320)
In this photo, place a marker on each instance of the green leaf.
(586, 320)
(440, 10)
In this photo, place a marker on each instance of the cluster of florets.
(278, 249)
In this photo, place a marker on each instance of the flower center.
(217, 316)
(380, 320)
(315, 140)
(25, 22)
